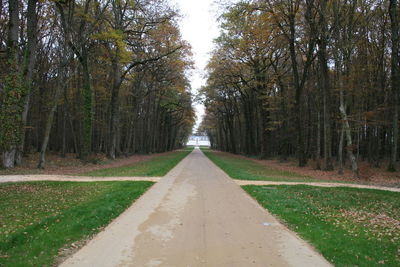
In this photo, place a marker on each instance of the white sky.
(199, 27)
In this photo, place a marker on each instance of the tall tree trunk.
(347, 131)
(12, 103)
(29, 63)
(114, 108)
(49, 123)
(299, 82)
(340, 151)
(64, 132)
(87, 108)
(395, 79)
(322, 57)
(318, 152)
(82, 53)
(59, 91)
(71, 124)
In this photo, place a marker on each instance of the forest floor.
(71, 165)
(368, 174)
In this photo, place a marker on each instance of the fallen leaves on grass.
(33, 201)
(379, 225)
(351, 227)
(39, 218)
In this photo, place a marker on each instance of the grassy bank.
(39, 219)
(157, 166)
(246, 169)
(350, 227)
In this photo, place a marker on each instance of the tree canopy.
(311, 79)
(90, 76)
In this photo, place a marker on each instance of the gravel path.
(322, 184)
(68, 178)
(196, 216)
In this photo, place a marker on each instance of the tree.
(323, 61)
(29, 60)
(95, 76)
(286, 16)
(284, 74)
(11, 106)
(395, 78)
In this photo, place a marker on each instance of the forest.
(315, 80)
(92, 76)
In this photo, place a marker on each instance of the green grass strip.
(157, 166)
(38, 219)
(246, 169)
(350, 227)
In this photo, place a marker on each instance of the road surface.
(196, 216)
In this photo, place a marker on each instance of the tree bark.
(318, 152)
(395, 79)
(323, 61)
(59, 91)
(49, 123)
(29, 63)
(340, 151)
(11, 125)
(299, 82)
(347, 131)
(114, 108)
(8, 158)
(87, 107)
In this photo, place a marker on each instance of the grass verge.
(40, 219)
(350, 227)
(157, 166)
(247, 169)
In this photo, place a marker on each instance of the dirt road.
(321, 184)
(196, 216)
(69, 178)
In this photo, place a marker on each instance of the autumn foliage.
(88, 76)
(311, 79)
